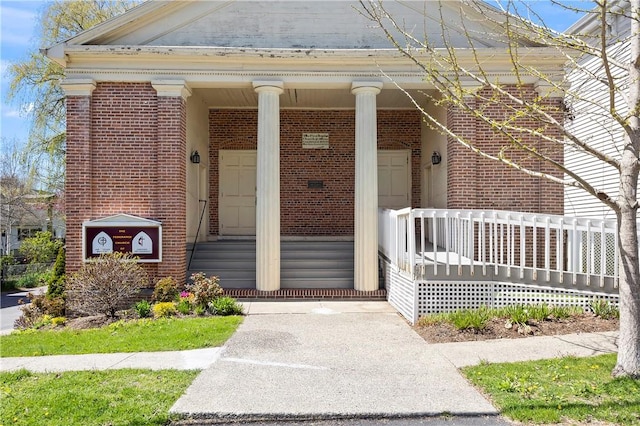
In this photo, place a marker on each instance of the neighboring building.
(590, 119)
(23, 215)
(280, 120)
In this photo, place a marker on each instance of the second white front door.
(394, 179)
(237, 196)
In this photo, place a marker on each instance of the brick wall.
(479, 183)
(126, 154)
(305, 211)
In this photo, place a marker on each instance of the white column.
(366, 187)
(268, 186)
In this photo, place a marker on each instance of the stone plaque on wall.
(315, 140)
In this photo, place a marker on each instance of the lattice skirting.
(447, 296)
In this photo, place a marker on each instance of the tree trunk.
(628, 363)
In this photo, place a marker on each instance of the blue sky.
(19, 31)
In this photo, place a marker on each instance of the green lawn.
(551, 391)
(146, 335)
(117, 397)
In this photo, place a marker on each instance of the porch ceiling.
(304, 98)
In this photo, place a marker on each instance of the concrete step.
(304, 264)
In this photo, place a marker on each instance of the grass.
(117, 397)
(560, 390)
(167, 334)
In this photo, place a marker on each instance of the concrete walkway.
(310, 360)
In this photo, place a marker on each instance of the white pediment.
(288, 24)
(122, 220)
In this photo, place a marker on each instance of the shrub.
(205, 290)
(105, 283)
(143, 308)
(225, 306)
(166, 290)
(53, 306)
(164, 309)
(31, 316)
(32, 280)
(57, 279)
(41, 248)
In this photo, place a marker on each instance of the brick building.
(293, 112)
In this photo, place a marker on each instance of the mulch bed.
(496, 329)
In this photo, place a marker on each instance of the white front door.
(394, 179)
(237, 199)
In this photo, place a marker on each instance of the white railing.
(441, 242)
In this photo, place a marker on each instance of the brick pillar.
(461, 161)
(78, 166)
(171, 197)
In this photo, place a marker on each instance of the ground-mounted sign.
(123, 233)
(315, 140)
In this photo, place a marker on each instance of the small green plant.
(225, 306)
(166, 290)
(204, 289)
(564, 312)
(471, 319)
(143, 308)
(603, 309)
(517, 314)
(56, 281)
(540, 312)
(183, 306)
(164, 310)
(58, 321)
(199, 310)
(432, 319)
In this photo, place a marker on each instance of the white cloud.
(21, 112)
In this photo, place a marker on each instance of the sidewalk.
(303, 360)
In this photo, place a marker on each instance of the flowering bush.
(204, 290)
(164, 309)
(185, 303)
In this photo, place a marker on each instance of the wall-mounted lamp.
(195, 157)
(436, 158)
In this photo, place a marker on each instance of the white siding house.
(589, 118)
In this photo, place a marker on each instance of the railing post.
(523, 248)
(411, 236)
(435, 242)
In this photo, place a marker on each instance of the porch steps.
(304, 264)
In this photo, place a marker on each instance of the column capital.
(268, 86)
(550, 89)
(78, 86)
(171, 88)
(366, 86)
